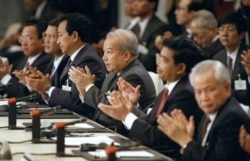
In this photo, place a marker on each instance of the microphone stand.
(13, 111)
(60, 142)
(36, 130)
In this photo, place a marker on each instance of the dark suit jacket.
(213, 49)
(17, 89)
(54, 79)
(135, 74)
(241, 95)
(86, 56)
(145, 128)
(154, 27)
(222, 143)
(54, 82)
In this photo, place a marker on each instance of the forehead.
(51, 29)
(62, 25)
(111, 43)
(30, 30)
(167, 52)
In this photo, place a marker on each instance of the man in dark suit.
(120, 58)
(55, 66)
(218, 137)
(148, 27)
(72, 39)
(232, 30)
(177, 57)
(204, 31)
(32, 45)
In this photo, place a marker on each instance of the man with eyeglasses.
(55, 66)
(32, 44)
(232, 30)
(176, 59)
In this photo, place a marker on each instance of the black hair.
(235, 18)
(79, 23)
(54, 22)
(186, 51)
(196, 5)
(40, 25)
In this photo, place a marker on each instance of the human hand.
(117, 108)
(246, 61)
(39, 82)
(82, 78)
(174, 129)
(5, 68)
(130, 94)
(244, 139)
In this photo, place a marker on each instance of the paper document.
(120, 154)
(77, 141)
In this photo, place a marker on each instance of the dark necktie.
(52, 71)
(136, 30)
(204, 127)
(230, 65)
(110, 83)
(66, 69)
(163, 101)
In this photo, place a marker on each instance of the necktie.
(52, 71)
(230, 65)
(136, 30)
(66, 69)
(163, 101)
(204, 128)
(112, 81)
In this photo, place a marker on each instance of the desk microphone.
(13, 110)
(60, 134)
(36, 130)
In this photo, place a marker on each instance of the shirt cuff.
(129, 120)
(88, 87)
(81, 98)
(5, 80)
(49, 92)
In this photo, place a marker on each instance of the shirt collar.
(170, 86)
(73, 56)
(31, 59)
(212, 116)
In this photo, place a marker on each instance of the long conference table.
(20, 143)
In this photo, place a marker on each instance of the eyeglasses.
(22, 39)
(49, 36)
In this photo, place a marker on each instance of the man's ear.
(75, 35)
(181, 68)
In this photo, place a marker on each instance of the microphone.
(25, 98)
(36, 129)
(13, 111)
(60, 133)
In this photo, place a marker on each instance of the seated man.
(121, 60)
(176, 59)
(33, 47)
(73, 40)
(219, 129)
